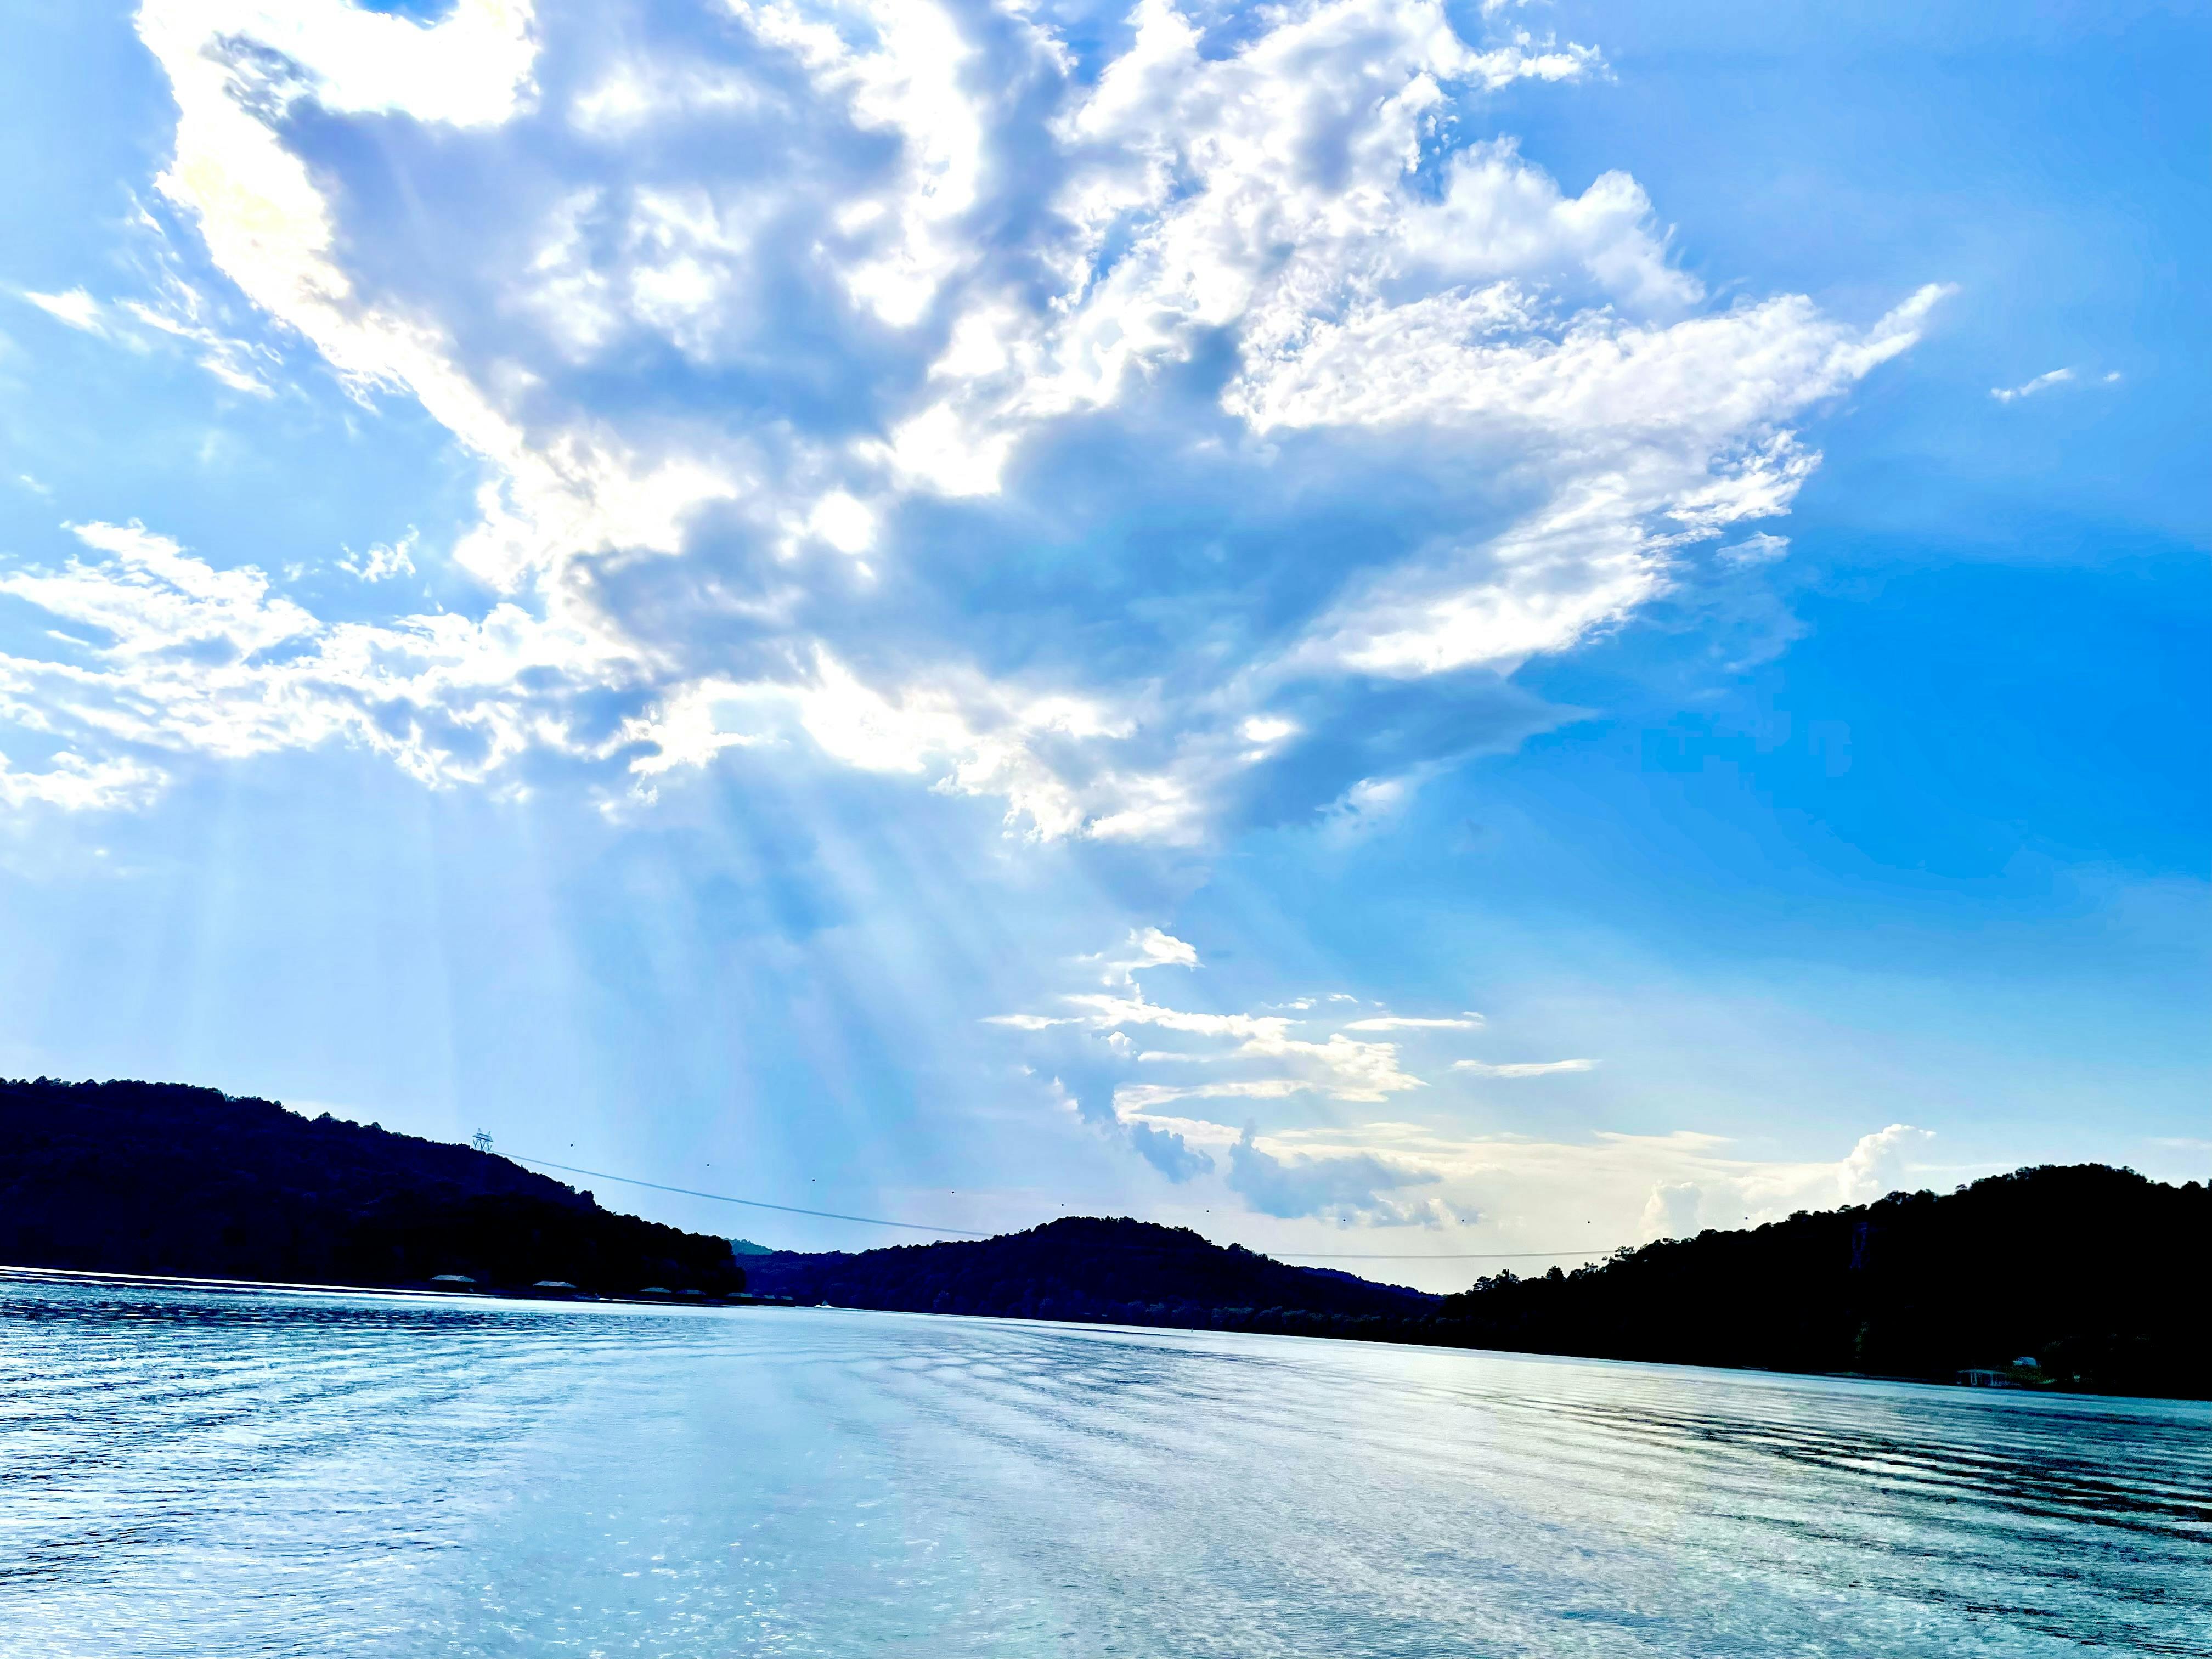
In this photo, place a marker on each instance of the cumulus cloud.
(1275, 1108)
(1171, 1083)
(916, 384)
(1146, 947)
(1723, 1196)
(74, 784)
(1672, 1210)
(169, 655)
(1878, 1164)
(1216, 1056)
(1302, 1184)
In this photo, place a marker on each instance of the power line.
(1475, 1255)
(750, 1203)
(963, 1232)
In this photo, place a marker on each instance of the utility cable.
(750, 1203)
(1475, 1255)
(963, 1232)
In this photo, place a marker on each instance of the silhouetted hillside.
(151, 1178)
(2098, 1275)
(1082, 1267)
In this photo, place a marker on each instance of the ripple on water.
(197, 1472)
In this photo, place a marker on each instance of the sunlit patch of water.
(189, 1472)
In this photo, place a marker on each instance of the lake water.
(202, 1474)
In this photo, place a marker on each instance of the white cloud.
(76, 307)
(1260, 1108)
(1508, 1192)
(1342, 1186)
(1134, 1101)
(384, 560)
(1523, 1068)
(1404, 1023)
(1240, 1057)
(1755, 550)
(181, 312)
(1724, 1196)
(2056, 377)
(1262, 269)
(1877, 1166)
(76, 785)
(194, 659)
(1672, 1210)
(1146, 947)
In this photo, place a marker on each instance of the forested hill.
(2098, 1276)
(1083, 1267)
(152, 1178)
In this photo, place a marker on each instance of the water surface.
(189, 1472)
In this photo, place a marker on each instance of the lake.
(202, 1473)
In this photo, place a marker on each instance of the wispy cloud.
(1265, 1109)
(1407, 1023)
(1522, 1068)
(1179, 1101)
(2041, 383)
(76, 307)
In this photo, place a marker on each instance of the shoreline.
(13, 1274)
(10, 1273)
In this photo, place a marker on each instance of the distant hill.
(150, 1177)
(1083, 1267)
(2099, 1276)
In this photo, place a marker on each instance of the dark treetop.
(153, 1177)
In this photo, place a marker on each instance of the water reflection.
(187, 1473)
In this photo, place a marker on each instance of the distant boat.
(557, 1284)
(451, 1279)
(656, 1290)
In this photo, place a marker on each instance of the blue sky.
(1382, 627)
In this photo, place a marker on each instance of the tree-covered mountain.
(153, 1177)
(1084, 1267)
(2097, 1275)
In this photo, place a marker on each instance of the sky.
(1401, 632)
